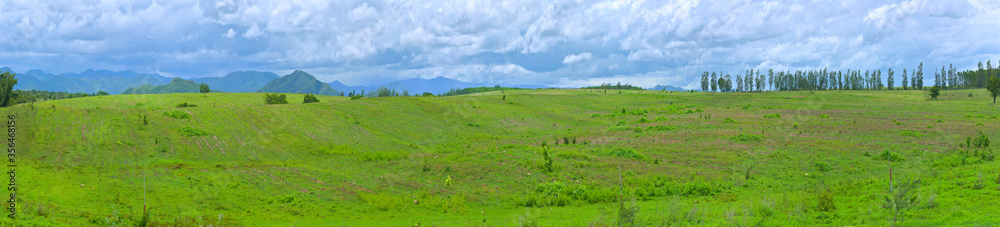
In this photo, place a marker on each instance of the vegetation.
(309, 98)
(298, 82)
(275, 99)
(472, 90)
(410, 161)
(7, 82)
(203, 88)
(994, 87)
(177, 85)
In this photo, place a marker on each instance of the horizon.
(563, 44)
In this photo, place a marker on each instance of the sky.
(570, 43)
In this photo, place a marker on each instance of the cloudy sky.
(561, 43)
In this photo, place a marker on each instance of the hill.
(240, 81)
(89, 81)
(177, 85)
(802, 158)
(666, 87)
(298, 82)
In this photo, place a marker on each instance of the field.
(772, 159)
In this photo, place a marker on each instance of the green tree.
(889, 79)
(904, 79)
(994, 87)
(275, 99)
(7, 82)
(548, 159)
(935, 92)
(203, 88)
(310, 98)
(920, 76)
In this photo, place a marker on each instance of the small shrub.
(476, 125)
(748, 138)
(548, 159)
(890, 156)
(661, 118)
(970, 94)
(310, 98)
(826, 203)
(565, 140)
(642, 120)
(177, 114)
(192, 131)
(185, 104)
(824, 116)
(728, 120)
(772, 116)
(939, 121)
(982, 141)
(823, 167)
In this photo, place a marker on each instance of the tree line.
(948, 77)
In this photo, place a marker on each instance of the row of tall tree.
(754, 80)
(824, 79)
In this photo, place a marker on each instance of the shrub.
(728, 120)
(548, 159)
(823, 167)
(642, 120)
(275, 99)
(889, 156)
(935, 92)
(661, 118)
(825, 201)
(824, 116)
(185, 104)
(476, 125)
(192, 131)
(310, 98)
(772, 116)
(748, 138)
(177, 114)
(982, 141)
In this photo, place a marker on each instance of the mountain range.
(116, 82)
(437, 85)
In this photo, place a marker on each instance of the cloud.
(573, 58)
(516, 41)
(229, 34)
(253, 32)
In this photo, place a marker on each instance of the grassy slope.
(81, 161)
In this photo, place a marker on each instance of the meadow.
(549, 157)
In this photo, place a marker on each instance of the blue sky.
(559, 43)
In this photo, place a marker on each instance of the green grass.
(384, 161)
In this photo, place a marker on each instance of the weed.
(748, 138)
(177, 114)
(192, 131)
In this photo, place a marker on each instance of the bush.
(824, 116)
(748, 138)
(889, 156)
(192, 131)
(982, 141)
(935, 92)
(772, 116)
(548, 160)
(642, 120)
(275, 99)
(177, 114)
(185, 104)
(728, 120)
(825, 201)
(310, 98)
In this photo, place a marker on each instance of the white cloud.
(645, 55)
(573, 58)
(518, 41)
(253, 32)
(229, 34)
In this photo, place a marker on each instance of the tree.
(310, 98)
(275, 99)
(994, 87)
(889, 80)
(904, 79)
(935, 92)
(714, 82)
(203, 88)
(704, 81)
(920, 76)
(101, 92)
(7, 82)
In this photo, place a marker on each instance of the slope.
(298, 82)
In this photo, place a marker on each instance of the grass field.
(772, 159)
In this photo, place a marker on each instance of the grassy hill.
(773, 158)
(298, 82)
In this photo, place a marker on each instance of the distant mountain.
(668, 88)
(241, 81)
(437, 85)
(177, 85)
(89, 81)
(299, 82)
